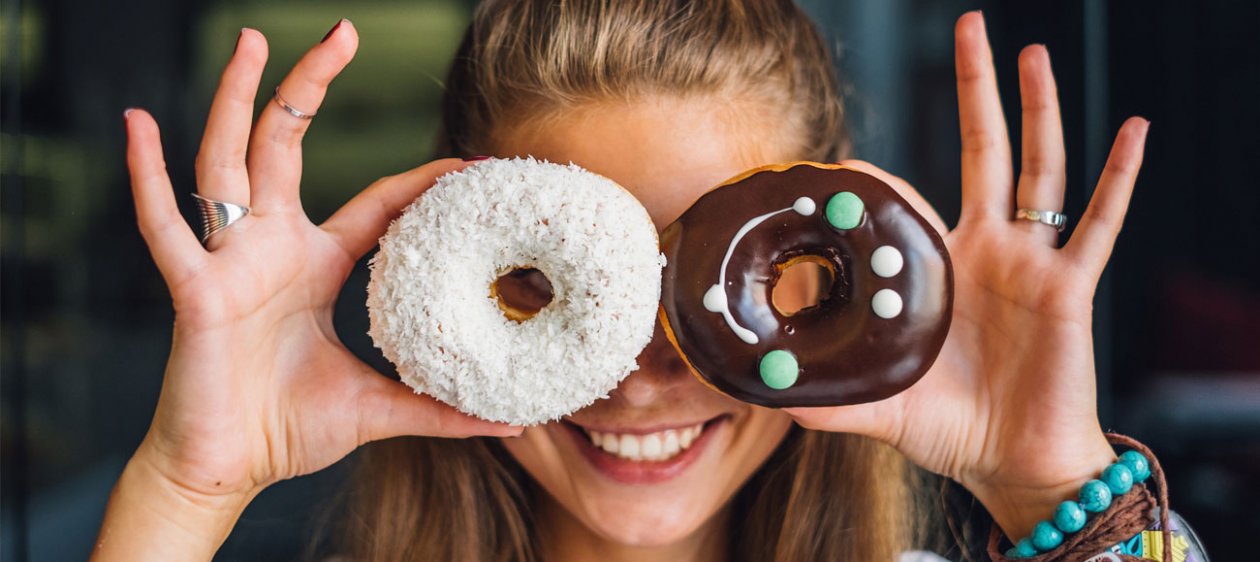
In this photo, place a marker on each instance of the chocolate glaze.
(846, 353)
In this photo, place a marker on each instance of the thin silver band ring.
(292, 110)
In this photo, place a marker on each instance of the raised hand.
(258, 388)
(1009, 408)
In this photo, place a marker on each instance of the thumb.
(357, 225)
(862, 419)
(388, 408)
(905, 190)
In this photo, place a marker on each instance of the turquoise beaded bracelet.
(1095, 497)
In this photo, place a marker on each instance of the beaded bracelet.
(1095, 497)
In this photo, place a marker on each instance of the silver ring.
(217, 215)
(1057, 220)
(292, 110)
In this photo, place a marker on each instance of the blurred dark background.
(86, 318)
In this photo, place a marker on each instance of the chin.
(650, 521)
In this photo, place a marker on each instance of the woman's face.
(695, 447)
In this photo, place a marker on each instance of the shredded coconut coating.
(433, 316)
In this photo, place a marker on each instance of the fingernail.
(127, 113)
(237, 44)
(476, 158)
(333, 30)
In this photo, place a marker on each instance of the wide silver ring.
(217, 215)
(292, 110)
(1057, 220)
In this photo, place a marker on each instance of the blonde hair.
(820, 496)
(525, 60)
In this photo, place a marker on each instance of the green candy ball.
(779, 369)
(844, 210)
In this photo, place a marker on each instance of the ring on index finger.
(290, 109)
(1051, 218)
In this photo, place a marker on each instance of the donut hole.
(522, 292)
(804, 282)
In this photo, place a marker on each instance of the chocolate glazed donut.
(879, 325)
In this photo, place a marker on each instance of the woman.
(667, 99)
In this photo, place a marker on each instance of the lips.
(640, 457)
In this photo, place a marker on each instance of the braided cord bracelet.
(1122, 507)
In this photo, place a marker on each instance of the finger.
(387, 408)
(175, 248)
(1042, 173)
(986, 149)
(221, 171)
(360, 223)
(275, 155)
(905, 190)
(1094, 237)
(862, 419)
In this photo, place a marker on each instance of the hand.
(1008, 409)
(258, 388)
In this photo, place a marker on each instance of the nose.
(661, 370)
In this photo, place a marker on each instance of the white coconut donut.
(434, 316)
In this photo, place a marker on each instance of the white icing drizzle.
(805, 206)
(715, 299)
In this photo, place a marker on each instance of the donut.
(878, 326)
(436, 309)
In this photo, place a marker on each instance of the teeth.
(688, 434)
(651, 446)
(630, 447)
(659, 446)
(671, 446)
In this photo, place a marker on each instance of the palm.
(258, 387)
(275, 294)
(1010, 401)
(1018, 355)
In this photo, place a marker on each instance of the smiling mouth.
(654, 447)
